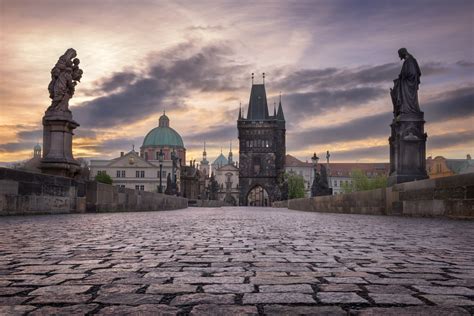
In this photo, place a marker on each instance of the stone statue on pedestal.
(408, 139)
(58, 124)
(320, 186)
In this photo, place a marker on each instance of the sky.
(332, 61)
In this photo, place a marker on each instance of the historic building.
(439, 166)
(262, 151)
(160, 155)
(227, 176)
(339, 173)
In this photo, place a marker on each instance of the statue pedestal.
(407, 149)
(57, 159)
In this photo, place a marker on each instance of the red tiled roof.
(343, 169)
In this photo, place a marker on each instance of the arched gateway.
(258, 196)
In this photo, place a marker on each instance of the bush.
(360, 182)
(103, 178)
(295, 186)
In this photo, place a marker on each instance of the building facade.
(439, 166)
(227, 176)
(160, 155)
(261, 152)
(339, 173)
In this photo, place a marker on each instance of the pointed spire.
(230, 159)
(252, 78)
(263, 76)
(240, 111)
(280, 115)
(274, 109)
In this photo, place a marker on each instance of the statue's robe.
(406, 87)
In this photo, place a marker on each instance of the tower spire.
(240, 110)
(252, 78)
(263, 76)
(280, 115)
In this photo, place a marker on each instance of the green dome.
(163, 136)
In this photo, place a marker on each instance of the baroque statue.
(405, 89)
(64, 77)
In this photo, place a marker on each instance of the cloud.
(171, 77)
(435, 142)
(452, 104)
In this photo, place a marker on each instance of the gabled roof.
(258, 108)
(124, 161)
(342, 169)
(228, 167)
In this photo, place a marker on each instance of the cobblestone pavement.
(226, 261)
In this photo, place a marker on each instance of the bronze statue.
(64, 77)
(405, 89)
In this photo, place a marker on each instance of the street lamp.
(160, 159)
(315, 160)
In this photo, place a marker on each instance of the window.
(142, 187)
(118, 173)
(99, 172)
(140, 174)
(123, 173)
(335, 183)
(137, 187)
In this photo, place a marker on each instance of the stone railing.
(23, 192)
(449, 197)
(107, 198)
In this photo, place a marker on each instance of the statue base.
(407, 149)
(57, 159)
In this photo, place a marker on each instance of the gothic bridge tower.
(261, 151)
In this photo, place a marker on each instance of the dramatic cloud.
(333, 62)
(454, 104)
(170, 78)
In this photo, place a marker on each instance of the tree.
(295, 186)
(360, 182)
(103, 178)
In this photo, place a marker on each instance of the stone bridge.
(245, 261)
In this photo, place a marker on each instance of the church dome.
(221, 161)
(163, 135)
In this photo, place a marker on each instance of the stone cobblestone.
(242, 261)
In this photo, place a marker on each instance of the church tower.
(262, 151)
(204, 165)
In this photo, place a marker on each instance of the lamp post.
(314, 186)
(160, 159)
(174, 160)
(315, 160)
(329, 170)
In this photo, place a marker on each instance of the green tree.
(360, 182)
(103, 178)
(295, 186)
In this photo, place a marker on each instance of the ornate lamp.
(160, 159)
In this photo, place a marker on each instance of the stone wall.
(449, 197)
(107, 198)
(23, 192)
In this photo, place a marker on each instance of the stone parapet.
(442, 197)
(23, 192)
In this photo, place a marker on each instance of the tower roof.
(258, 108)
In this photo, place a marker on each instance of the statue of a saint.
(405, 89)
(64, 77)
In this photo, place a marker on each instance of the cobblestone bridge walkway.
(226, 261)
